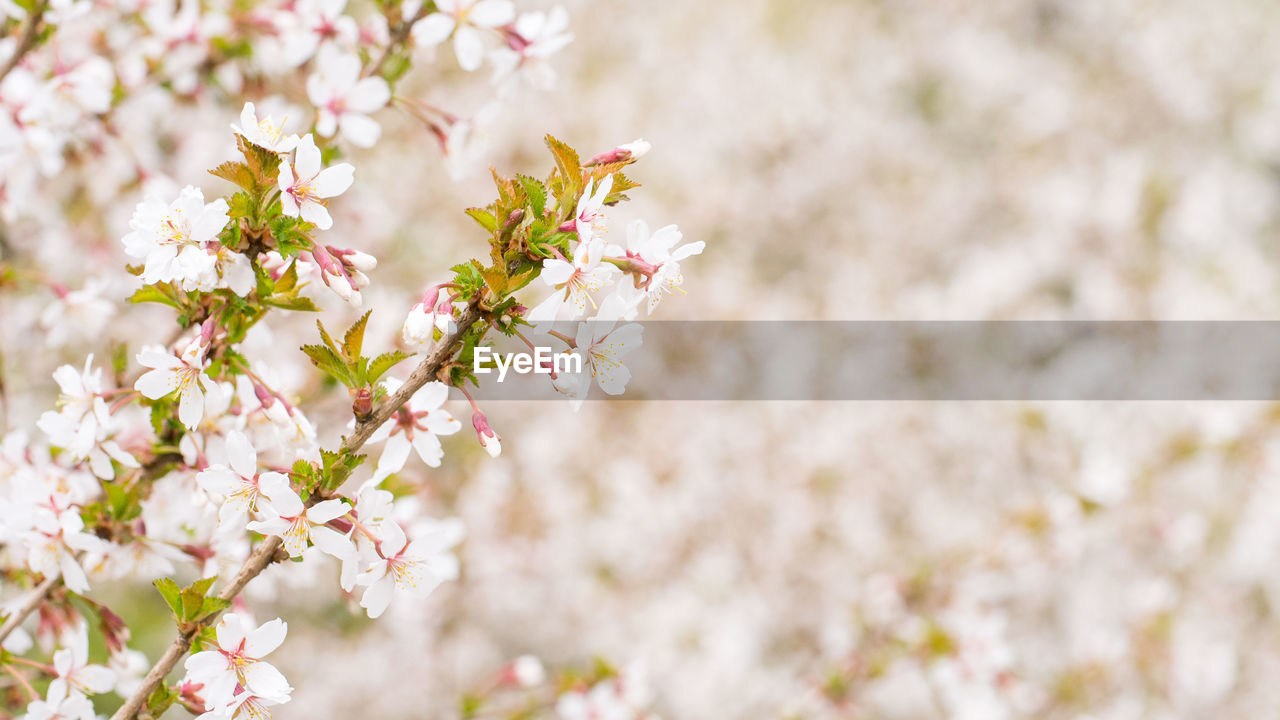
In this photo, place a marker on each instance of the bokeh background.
(849, 159)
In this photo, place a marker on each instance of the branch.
(398, 36)
(28, 40)
(28, 606)
(265, 553)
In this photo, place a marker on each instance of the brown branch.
(398, 36)
(28, 39)
(28, 606)
(265, 553)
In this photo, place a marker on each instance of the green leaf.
(241, 206)
(330, 362)
(328, 341)
(237, 173)
(263, 163)
(353, 340)
(172, 596)
(567, 162)
(484, 218)
(536, 193)
(210, 606)
(288, 279)
(152, 293)
(297, 302)
(159, 700)
(384, 362)
(337, 468)
(193, 598)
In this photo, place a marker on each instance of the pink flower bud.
(633, 150)
(489, 440)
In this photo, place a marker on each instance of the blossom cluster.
(184, 457)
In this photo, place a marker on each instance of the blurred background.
(852, 159)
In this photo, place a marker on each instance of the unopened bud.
(489, 440)
(362, 405)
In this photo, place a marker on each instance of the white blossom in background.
(465, 21)
(531, 41)
(344, 100)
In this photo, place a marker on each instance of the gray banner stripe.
(980, 360)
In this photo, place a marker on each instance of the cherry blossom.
(576, 283)
(60, 704)
(75, 673)
(183, 374)
(297, 525)
(171, 237)
(417, 425)
(83, 424)
(344, 100)
(531, 40)
(266, 132)
(305, 188)
(463, 19)
(53, 542)
(414, 567)
(238, 482)
(659, 257)
(588, 218)
(237, 662)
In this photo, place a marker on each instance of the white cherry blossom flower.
(297, 525)
(305, 189)
(416, 567)
(463, 19)
(344, 100)
(74, 671)
(237, 662)
(658, 254)
(602, 345)
(534, 37)
(76, 314)
(238, 482)
(588, 218)
(243, 705)
(576, 283)
(83, 423)
(417, 425)
(182, 374)
(266, 132)
(60, 704)
(53, 543)
(170, 237)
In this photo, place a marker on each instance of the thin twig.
(265, 553)
(28, 606)
(398, 36)
(28, 40)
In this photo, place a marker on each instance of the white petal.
(308, 158)
(433, 29)
(491, 13)
(333, 181)
(469, 48)
(360, 130)
(368, 95)
(266, 638)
